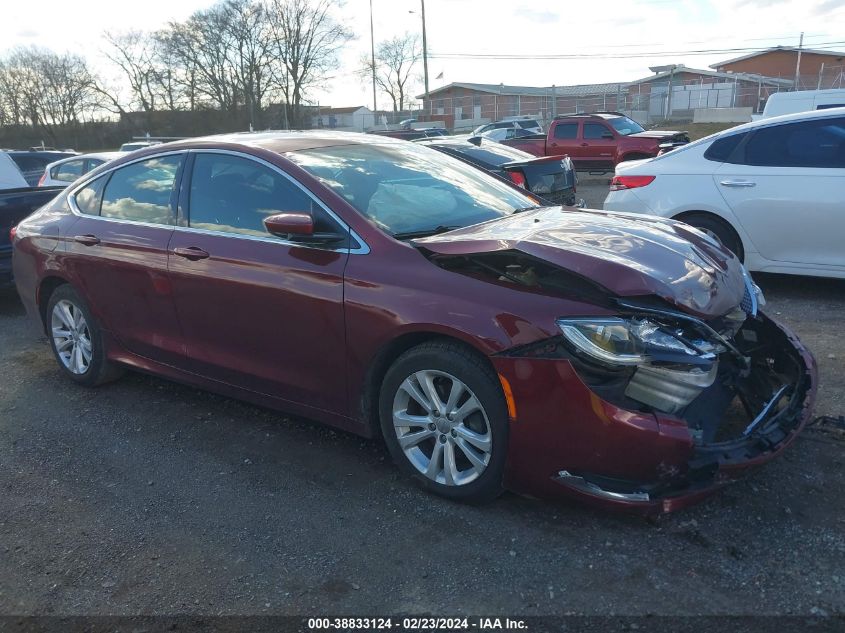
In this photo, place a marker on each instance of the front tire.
(76, 339)
(444, 419)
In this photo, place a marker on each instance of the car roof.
(280, 142)
(107, 156)
(829, 113)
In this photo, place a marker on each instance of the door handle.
(191, 252)
(585, 144)
(88, 240)
(738, 183)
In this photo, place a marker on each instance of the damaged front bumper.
(566, 439)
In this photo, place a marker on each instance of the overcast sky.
(663, 30)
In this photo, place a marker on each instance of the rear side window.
(234, 194)
(595, 130)
(143, 191)
(68, 172)
(566, 130)
(88, 198)
(528, 124)
(818, 143)
(722, 148)
(31, 163)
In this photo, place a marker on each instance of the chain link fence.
(675, 98)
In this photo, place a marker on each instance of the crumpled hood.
(628, 254)
(660, 134)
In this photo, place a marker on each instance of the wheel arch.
(387, 355)
(684, 215)
(46, 288)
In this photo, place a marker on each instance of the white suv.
(773, 191)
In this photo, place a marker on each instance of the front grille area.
(749, 297)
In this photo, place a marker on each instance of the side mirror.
(298, 226)
(290, 223)
(607, 135)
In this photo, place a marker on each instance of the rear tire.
(76, 339)
(445, 421)
(718, 229)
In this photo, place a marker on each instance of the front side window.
(595, 130)
(407, 189)
(818, 143)
(233, 194)
(143, 191)
(68, 172)
(566, 130)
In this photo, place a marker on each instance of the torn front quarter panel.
(628, 255)
(616, 453)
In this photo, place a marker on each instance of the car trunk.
(550, 177)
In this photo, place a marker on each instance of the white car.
(773, 191)
(502, 134)
(65, 171)
(135, 145)
(529, 125)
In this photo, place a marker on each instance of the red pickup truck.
(598, 140)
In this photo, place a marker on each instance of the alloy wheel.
(442, 428)
(71, 337)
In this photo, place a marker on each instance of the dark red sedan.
(388, 289)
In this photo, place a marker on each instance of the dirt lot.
(148, 497)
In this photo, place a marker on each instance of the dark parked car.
(552, 178)
(389, 289)
(599, 140)
(33, 163)
(16, 202)
(411, 134)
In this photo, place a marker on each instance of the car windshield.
(626, 126)
(408, 190)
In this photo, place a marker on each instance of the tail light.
(12, 232)
(518, 178)
(42, 179)
(629, 182)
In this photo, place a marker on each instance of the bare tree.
(48, 90)
(394, 65)
(307, 38)
(134, 52)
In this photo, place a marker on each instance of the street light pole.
(373, 60)
(425, 48)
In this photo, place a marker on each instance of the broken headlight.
(631, 341)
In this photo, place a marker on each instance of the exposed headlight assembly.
(633, 341)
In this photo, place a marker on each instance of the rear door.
(117, 254)
(785, 185)
(563, 139)
(259, 312)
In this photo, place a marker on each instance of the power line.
(627, 55)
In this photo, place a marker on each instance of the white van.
(803, 101)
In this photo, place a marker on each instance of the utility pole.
(373, 61)
(425, 48)
(798, 63)
(669, 98)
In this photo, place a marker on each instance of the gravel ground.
(147, 497)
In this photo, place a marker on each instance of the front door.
(259, 312)
(116, 254)
(598, 145)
